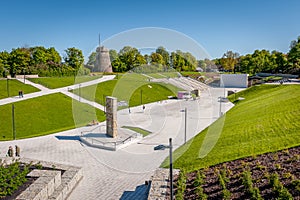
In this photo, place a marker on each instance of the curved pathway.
(108, 174)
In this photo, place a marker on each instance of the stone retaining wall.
(50, 184)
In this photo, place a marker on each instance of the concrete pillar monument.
(111, 116)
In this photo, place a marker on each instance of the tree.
(19, 61)
(92, 59)
(165, 55)
(128, 55)
(294, 56)
(113, 54)
(229, 60)
(4, 57)
(156, 58)
(74, 58)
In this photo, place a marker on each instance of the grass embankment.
(132, 88)
(58, 82)
(14, 86)
(267, 120)
(138, 130)
(45, 115)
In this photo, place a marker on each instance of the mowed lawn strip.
(14, 87)
(267, 120)
(132, 88)
(58, 82)
(45, 115)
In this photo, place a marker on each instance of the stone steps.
(54, 184)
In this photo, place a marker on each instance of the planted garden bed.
(268, 176)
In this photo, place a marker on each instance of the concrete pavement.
(108, 174)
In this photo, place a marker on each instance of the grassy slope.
(267, 120)
(44, 115)
(128, 88)
(57, 82)
(14, 88)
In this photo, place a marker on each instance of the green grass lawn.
(58, 82)
(130, 88)
(190, 73)
(45, 115)
(138, 130)
(14, 86)
(267, 120)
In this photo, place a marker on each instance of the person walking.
(17, 151)
(144, 108)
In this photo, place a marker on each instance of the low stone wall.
(160, 184)
(50, 184)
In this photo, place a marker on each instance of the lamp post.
(170, 147)
(185, 123)
(7, 86)
(220, 112)
(13, 121)
(141, 96)
(24, 74)
(79, 91)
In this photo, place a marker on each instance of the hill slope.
(267, 120)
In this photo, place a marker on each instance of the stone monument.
(111, 116)
(102, 63)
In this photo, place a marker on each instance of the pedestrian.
(144, 108)
(17, 151)
(22, 93)
(10, 151)
(19, 93)
(129, 110)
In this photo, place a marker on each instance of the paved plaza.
(116, 174)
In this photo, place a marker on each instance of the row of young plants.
(223, 181)
(258, 177)
(12, 177)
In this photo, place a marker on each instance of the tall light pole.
(79, 91)
(141, 96)
(185, 125)
(220, 112)
(7, 87)
(170, 147)
(171, 168)
(13, 121)
(24, 74)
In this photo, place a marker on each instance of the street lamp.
(170, 147)
(185, 123)
(24, 74)
(13, 121)
(79, 91)
(7, 86)
(141, 96)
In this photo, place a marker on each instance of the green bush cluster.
(181, 185)
(278, 188)
(247, 182)
(198, 182)
(12, 177)
(223, 180)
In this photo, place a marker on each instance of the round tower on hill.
(103, 63)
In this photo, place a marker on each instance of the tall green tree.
(229, 60)
(4, 58)
(294, 56)
(165, 55)
(74, 58)
(19, 61)
(156, 58)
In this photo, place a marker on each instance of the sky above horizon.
(218, 26)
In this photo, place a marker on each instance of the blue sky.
(238, 25)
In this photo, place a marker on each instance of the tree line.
(42, 61)
(130, 58)
(47, 61)
(262, 61)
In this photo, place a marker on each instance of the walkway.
(113, 174)
(64, 90)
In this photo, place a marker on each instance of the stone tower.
(103, 63)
